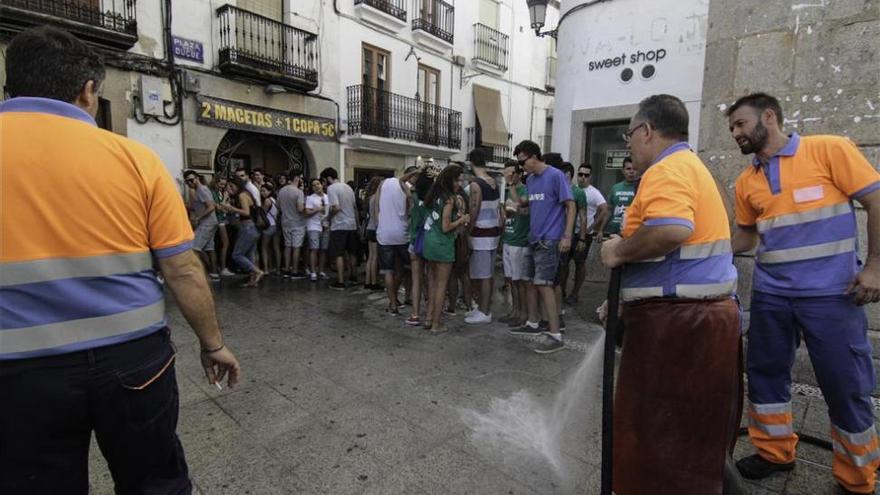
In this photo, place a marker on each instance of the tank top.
(487, 226)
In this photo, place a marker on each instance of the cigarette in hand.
(219, 387)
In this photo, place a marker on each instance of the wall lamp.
(538, 15)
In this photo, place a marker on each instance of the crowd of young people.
(432, 235)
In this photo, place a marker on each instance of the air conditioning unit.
(459, 60)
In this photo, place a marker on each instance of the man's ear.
(87, 99)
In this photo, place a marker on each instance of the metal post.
(608, 381)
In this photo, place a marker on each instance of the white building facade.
(366, 86)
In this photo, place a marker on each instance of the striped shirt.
(679, 190)
(800, 202)
(84, 212)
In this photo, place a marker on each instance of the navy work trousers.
(126, 393)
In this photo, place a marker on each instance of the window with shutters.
(273, 9)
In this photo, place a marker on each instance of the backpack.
(258, 215)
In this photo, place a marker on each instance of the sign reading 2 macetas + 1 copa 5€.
(218, 112)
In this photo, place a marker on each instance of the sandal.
(393, 311)
(413, 320)
(428, 324)
(438, 329)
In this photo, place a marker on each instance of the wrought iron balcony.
(494, 153)
(261, 48)
(388, 115)
(490, 46)
(395, 8)
(437, 18)
(108, 23)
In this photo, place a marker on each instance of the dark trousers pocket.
(149, 389)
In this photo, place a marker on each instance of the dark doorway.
(273, 154)
(605, 150)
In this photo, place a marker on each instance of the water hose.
(608, 380)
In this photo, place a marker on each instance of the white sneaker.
(478, 317)
(214, 276)
(226, 273)
(323, 276)
(313, 277)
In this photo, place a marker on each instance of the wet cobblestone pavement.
(340, 397)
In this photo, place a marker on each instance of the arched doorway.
(273, 154)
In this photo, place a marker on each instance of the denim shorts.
(545, 262)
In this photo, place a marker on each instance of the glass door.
(605, 151)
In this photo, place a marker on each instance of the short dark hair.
(627, 159)
(553, 159)
(586, 165)
(241, 169)
(477, 157)
(47, 62)
(760, 102)
(665, 113)
(329, 172)
(258, 170)
(530, 148)
(567, 168)
(410, 169)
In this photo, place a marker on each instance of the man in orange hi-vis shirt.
(794, 202)
(677, 403)
(84, 345)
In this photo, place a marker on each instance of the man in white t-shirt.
(343, 225)
(597, 214)
(392, 233)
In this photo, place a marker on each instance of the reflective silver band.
(804, 217)
(652, 260)
(700, 251)
(778, 408)
(862, 438)
(773, 430)
(808, 252)
(73, 331)
(29, 272)
(857, 460)
(702, 291)
(640, 293)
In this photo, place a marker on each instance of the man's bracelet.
(211, 351)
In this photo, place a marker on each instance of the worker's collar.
(789, 149)
(674, 148)
(46, 105)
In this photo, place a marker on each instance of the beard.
(755, 141)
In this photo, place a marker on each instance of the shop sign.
(187, 49)
(218, 112)
(614, 158)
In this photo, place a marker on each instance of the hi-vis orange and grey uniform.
(677, 400)
(83, 214)
(800, 203)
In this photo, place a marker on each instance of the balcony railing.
(259, 47)
(379, 113)
(494, 153)
(396, 8)
(490, 46)
(101, 22)
(437, 18)
(551, 72)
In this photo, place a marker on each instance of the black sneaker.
(449, 311)
(544, 325)
(561, 325)
(550, 345)
(353, 280)
(297, 275)
(755, 467)
(285, 273)
(525, 329)
(337, 286)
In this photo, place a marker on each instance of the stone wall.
(821, 58)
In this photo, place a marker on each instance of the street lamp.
(538, 14)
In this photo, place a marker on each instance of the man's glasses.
(190, 179)
(627, 136)
(583, 175)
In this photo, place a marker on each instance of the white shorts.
(516, 262)
(293, 236)
(482, 264)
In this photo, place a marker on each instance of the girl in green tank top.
(439, 243)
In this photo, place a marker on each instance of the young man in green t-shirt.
(621, 196)
(515, 245)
